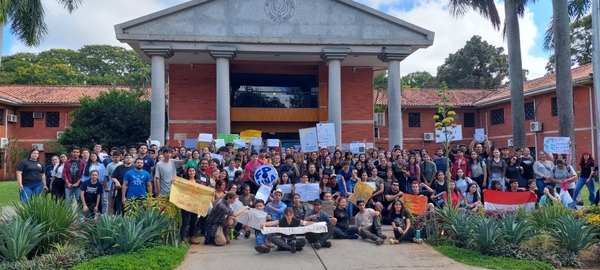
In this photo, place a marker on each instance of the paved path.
(343, 255)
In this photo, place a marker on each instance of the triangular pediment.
(342, 22)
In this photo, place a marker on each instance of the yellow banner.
(250, 133)
(363, 191)
(191, 196)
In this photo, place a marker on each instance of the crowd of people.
(102, 180)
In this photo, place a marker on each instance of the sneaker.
(326, 244)
(293, 246)
(418, 241)
(247, 234)
(394, 242)
(316, 246)
(193, 240)
(382, 236)
(379, 241)
(262, 249)
(354, 236)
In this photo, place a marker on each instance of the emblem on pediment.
(280, 10)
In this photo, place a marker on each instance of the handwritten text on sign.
(253, 218)
(557, 145)
(320, 227)
(191, 196)
(362, 191)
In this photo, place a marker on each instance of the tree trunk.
(515, 74)
(562, 54)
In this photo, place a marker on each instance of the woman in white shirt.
(542, 170)
(57, 184)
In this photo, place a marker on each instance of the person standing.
(31, 176)
(72, 174)
(164, 174)
(108, 201)
(137, 183)
(91, 194)
(118, 177)
(57, 184)
(586, 178)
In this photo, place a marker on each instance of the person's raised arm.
(472, 144)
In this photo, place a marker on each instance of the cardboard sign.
(320, 227)
(362, 191)
(179, 136)
(253, 218)
(415, 204)
(358, 147)
(557, 145)
(191, 196)
(237, 205)
(307, 192)
(328, 207)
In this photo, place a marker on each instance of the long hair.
(88, 165)
(476, 194)
(590, 162)
(60, 162)
(403, 210)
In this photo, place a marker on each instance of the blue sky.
(93, 24)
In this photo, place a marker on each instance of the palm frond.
(70, 5)
(28, 22)
(548, 44)
(579, 9)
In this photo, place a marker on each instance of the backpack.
(568, 170)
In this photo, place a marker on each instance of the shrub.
(54, 214)
(63, 259)
(572, 234)
(515, 230)
(155, 207)
(19, 238)
(100, 233)
(160, 257)
(544, 215)
(430, 224)
(498, 214)
(133, 236)
(474, 258)
(486, 233)
(460, 225)
(542, 240)
(596, 250)
(552, 257)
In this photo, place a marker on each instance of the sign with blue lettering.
(265, 175)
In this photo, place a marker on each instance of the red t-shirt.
(250, 169)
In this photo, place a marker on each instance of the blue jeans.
(590, 186)
(541, 185)
(30, 190)
(497, 176)
(260, 238)
(69, 192)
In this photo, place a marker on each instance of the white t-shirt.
(566, 172)
(364, 219)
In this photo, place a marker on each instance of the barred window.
(529, 111)
(53, 119)
(414, 120)
(469, 120)
(376, 133)
(26, 119)
(497, 116)
(1, 118)
(554, 106)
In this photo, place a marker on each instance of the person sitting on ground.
(261, 239)
(496, 185)
(472, 198)
(454, 195)
(342, 229)
(403, 231)
(288, 242)
(368, 222)
(549, 197)
(221, 215)
(319, 240)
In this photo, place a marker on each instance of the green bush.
(100, 233)
(460, 226)
(65, 258)
(543, 216)
(573, 235)
(163, 208)
(474, 258)
(20, 238)
(133, 236)
(54, 214)
(486, 233)
(160, 257)
(516, 230)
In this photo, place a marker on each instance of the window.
(52, 119)
(414, 120)
(274, 91)
(469, 120)
(554, 106)
(26, 119)
(1, 117)
(529, 111)
(376, 131)
(497, 116)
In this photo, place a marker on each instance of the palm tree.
(26, 19)
(513, 10)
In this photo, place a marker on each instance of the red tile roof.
(50, 94)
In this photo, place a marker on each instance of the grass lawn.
(474, 258)
(9, 191)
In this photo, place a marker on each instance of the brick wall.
(357, 104)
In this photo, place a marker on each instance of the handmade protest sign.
(308, 192)
(250, 133)
(308, 140)
(320, 227)
(191, 196)
(328, 207)
(253, 218)
(265, 175)
(326, 134)
(479, 134)
(205, 137)
(273, 143)
(286, 189)
(415, 204)
(557, 145)
(239, 143)
(372, 184)
(263, 193)
(229, 138)
(362, 191)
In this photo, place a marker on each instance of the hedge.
(159, 258)
(474, 258)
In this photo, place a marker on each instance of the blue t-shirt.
(148, 163)
(440, 164)
(136, 181)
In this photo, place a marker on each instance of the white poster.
(479, 135)
(263, 193)
(308, 140)
(272, 143)
(286, 189)
(219, 143)
(253, 218)
(205, 137)
(239, 143)
(357, 147)
(217, 156)
(372, 184)
(237, 205)
(307, 192)
(320, 227)
(455, 135)
(326, 134)
(255, 141)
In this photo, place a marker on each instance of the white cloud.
(452, 33)
(94, 23)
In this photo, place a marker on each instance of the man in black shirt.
(118, 175)
(288, 242)
(390, 195)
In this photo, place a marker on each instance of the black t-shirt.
(91, 191)
(239, 183)
(289, 169)
(586, 170)
(32, 171)
(527, 164)
(295, 222)
(204, 179)
(484, 155)
(439, 188)
(399, 219)
(314, 177)
(513, 172)
(342, 216)
(400, 176)
(120, 171)
(385, 202)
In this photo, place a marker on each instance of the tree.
(478, 65)
(512, 9)
(581, 44)
(562, 53)
(418, 79)
(115, 117)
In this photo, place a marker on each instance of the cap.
(278, 191)
(318, 201)
(323, 147)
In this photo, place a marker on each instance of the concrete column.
(222, 55)
(393, 56)
(158, 54)
(334, 58)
